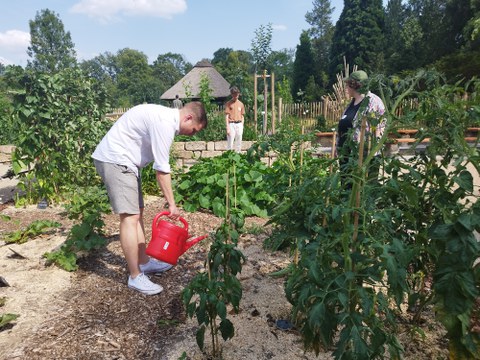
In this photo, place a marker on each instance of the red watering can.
(169, 241)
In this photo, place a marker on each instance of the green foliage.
(321, 32)
(87, 205)
(5, 319)
(205, 183)
(261, 46)
(363, 251)
(134, 81)
(210, 292)
(149, 180)
(358, 37)
(34, 229)
(51, 48)
(59, 121)
(284, 91)
(206, 93)
(215, 130)
(460, 64)
(303, 66)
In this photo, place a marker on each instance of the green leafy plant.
(205, 183)
(364, 250)
(34, 229)
(59, 120)
(210, 292)
(87, 205)
(6, 319)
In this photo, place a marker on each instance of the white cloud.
(13, 47)
(279, 27)
(112, 10)
(13, 40)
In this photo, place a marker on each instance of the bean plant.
(59, 120)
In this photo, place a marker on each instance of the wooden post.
(280, 109)
(255, 114)
(265, 107)
(272, 90)
(265, 95)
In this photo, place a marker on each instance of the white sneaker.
(155, 266)
(143, 284)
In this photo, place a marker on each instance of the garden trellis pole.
(264, 76)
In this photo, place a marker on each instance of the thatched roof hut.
(191, 81)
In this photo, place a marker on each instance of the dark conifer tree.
(359, 37)
(303, 66)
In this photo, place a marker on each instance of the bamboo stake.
(332, 155)
(359, 181)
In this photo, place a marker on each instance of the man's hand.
(174, 212)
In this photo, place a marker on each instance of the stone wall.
(188, 153)
(6, 153)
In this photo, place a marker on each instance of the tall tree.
(358, 36)
(237, 69)
(281, 64)
(261, 46)
(103, 69)
(220, 58)
(395, 20)
(303, 66)
(321, 32)
(134, 78)
(458, 15)
(51, 46)
(169, 68)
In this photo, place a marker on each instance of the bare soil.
(91, 314)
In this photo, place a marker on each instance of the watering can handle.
(155, 220)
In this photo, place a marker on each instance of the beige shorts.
(124, 187)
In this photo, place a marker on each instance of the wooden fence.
(308, 113)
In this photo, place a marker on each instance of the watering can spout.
(192, 242)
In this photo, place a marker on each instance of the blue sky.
(193, 28)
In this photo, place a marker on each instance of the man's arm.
(165, 182)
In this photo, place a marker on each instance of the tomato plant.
(363, 250)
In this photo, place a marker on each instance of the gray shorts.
(124, 188)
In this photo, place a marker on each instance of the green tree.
(312, 90)
(103, 69)
(238, 69)
(220, 58)
(321, 33)
(51, 47)
(261, 46)
(281, 63)
(303, 66)
(169, 68)
(358, 37)
(458, 15)
(284, 90)
(394, 23)
(134, 78)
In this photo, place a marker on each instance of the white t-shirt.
(143, 134)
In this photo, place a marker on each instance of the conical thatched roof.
(191, 81)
